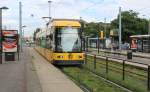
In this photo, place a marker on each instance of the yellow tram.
(60, 42)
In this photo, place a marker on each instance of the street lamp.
(120, 29)
(47, 18)
(49, 2)
(23, 31)
(1, 50)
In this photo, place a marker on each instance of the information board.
(10, 40)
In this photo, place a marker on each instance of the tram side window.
(49, 40)
(38, 41)
(43, 42)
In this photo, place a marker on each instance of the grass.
(91, 81)
(135, 78)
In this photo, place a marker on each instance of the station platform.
(51, 78)
(32, 73)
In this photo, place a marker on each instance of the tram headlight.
(79, 56)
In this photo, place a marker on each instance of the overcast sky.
(89, 10)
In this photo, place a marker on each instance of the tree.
(36, 31)
(131, 24)
(92, 29)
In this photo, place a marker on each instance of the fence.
(132, 75)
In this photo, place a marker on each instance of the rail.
(124, 62)
(120, 53)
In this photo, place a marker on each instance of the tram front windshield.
(67, 39)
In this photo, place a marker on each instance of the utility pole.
(1, 30)
(105, 28)
(49, 2)
(120, 42)
(1, 34)
(20, 24)
(149, 27)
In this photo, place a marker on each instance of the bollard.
(148, 78)
(123, 70)
(106, 64)
(94, 61)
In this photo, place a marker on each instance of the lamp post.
(1, 50)
(105, 27)
(120, 31)
(49, 2)
(23, 32)
(47, 18)
(149, 27)
(20, 26)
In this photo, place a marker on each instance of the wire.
(93, 5)
(143, 8)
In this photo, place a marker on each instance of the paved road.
(134, 59)
(18, 76)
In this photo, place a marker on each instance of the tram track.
(77, 82)
(84, 87)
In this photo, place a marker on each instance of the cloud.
(89, 10)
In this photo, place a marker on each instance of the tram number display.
(9, 42)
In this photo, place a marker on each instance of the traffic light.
(101, 34)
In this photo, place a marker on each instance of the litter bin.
(129, 54)
(9, 56)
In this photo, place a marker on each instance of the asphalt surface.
(19, 76)
(137, 61)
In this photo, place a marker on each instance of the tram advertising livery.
(60, 42)
(140, 43)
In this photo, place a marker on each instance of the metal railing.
(124, 63)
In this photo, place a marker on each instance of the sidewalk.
(18, 76)
(51, 79)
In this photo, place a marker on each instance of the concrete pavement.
(51, 78)
(18, 76)
(32, 73)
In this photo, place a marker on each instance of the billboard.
(10, 40)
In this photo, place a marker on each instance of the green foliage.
(92, 29)
(131, 24)
(36, 31)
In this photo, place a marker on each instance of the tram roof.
(140, 36)
(66, 22)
